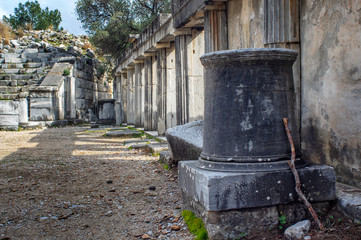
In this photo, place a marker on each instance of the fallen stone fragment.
(145, 236)
(298, 230)
(175, 228)
(123, 134)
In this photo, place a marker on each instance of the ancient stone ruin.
(242, 174)
(44, 84)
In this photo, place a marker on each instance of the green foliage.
(282, 219)
(166, 167)
(66, 72)
(30, 13)
(195, 225)
(109, 22)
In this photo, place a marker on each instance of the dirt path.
(74, 183)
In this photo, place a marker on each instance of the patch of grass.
(195, 225)
(282, 219)
(166, 166)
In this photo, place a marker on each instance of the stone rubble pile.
(51, 76)
(26, 61)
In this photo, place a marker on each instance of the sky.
(66, 7)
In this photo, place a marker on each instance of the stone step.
(7, 89)
(32, 65)
(15, 60)
(8, 96)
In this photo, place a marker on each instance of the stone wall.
(331, 85)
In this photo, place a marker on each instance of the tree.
(31, 13)
(109, 22)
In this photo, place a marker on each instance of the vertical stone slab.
(9, 114)
(23, 111)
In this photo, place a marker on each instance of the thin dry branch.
(297, 178)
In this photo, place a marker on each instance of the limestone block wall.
(331, 85)
(88, 87)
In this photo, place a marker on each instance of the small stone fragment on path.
(298, 230)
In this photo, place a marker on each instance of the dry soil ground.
(74, 183)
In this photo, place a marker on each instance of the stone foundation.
(230, 224)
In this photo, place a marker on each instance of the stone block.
(9, 115)
(123, 134)
(5, 82)
(219, 191)
(83, 93)
(41, 103)
(349, 200)
(185, 141)
(11, 71)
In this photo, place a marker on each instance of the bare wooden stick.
(297, 177)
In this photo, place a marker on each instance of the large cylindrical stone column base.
(243, 165)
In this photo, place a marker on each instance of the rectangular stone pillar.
(215, 27)
(139, 93)
(148, 94)
(124, 94)
(154, 84)
(118, 108)
(70, 97)
(189, 76)
(181, 79)
(161, 89)
(130, 96)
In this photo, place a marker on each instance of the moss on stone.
(195, 225)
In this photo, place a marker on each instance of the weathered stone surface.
(349, 200)
(55, 76)
(218, 191)
(9, 114)
(123, 134)
(331, 86)
(106, 111)
(298, 230)
(185, 141)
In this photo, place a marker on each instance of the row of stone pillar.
(163, 88)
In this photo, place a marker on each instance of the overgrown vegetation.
(195, 225)
(109, 22)
(5, 31)
(31, 16)
(66, 72)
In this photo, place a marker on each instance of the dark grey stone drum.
(249, 92)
